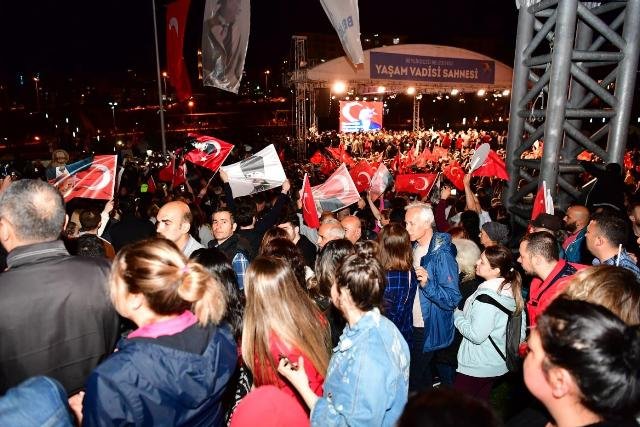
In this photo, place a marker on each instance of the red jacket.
(543, 292)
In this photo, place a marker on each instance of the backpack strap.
(489, 300)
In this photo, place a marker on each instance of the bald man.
(174, 222)
(352, 228)
(575, 223)
(329, 230)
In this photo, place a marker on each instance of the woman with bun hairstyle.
(368, 378)
(483, 325)
(582, 364)
(173, 369)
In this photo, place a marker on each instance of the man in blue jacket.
(434, 259)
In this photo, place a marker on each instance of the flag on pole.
(151, 185)
(453, 172)
(260, 172)
(380, 181)
(341, 155)
(326, 167)
(225, 37)
(362, 174)
(337, 192)
(209, 152)
(345, 18)
(176, 24)
(173, 175)
(309, 211)
(92, 178)
(493, 166)
(543, 202)
(419, 183)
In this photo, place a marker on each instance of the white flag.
(225, 37)
(345, 18)
(260, 172)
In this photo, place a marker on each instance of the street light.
(164, 83)
(37, 80)
(266, 82)
(113, 106)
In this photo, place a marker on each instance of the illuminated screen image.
(356, 116)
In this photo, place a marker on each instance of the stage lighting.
(381, 89)
(411, 90)
(339, 87)
(454, 92)
(506, 92)
(482, 92)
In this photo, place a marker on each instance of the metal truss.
(299, 81)
(416, 112)
(575, 62)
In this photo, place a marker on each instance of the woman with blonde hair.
(281, 321)
(174, 368)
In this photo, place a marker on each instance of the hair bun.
(631, 351)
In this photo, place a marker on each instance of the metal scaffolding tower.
(582, 58)
(416, 112)
(299, 81)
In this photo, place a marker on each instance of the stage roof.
(428, 68)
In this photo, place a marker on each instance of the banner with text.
(395, 66)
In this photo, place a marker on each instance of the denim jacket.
(440, 296)
(368, 376)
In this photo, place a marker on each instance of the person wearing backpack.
(484, 321)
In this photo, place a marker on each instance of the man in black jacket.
(55, 316)
(236, 248)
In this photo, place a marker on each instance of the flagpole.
(155, 33)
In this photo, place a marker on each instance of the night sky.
(84, 36)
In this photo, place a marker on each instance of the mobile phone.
(454, 192)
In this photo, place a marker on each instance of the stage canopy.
(427, 68)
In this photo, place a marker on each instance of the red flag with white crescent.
(493, 166)
(96, 180)
(419, 183)
(362, 174)
(454, 173)
(209, 152)
(309, 211)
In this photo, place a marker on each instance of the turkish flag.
(151, 185)
(419, 183)
(423, 158)
(337, 192)
(175, 27)
(309, 211)
(492, 166)
(340, 155)
(326, 167)
(92, 179)
(380, 181)
(361, 174)
(539, 205)
(440, 153)
(209, 152)
(170, 174)
(453, 172)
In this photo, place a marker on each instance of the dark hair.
(367, 248)
(219, 266)
(544, 244)
(90, 245)
(500, 257)
(599, 351)
(327, 263)
(365, 279)
(395, 251)
(282, 247)
(271, 234)
(245, 211)
(232, 215)
(446, 407)
(89, 220)
(470, 221)
(612, 228)
(198, 219)
(34, 208)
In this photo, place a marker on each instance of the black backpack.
(514, 327)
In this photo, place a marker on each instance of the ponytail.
(206, 295)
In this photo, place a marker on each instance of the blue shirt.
(625, 261)
(398, 300)
(240, 264)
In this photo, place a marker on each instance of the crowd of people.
(187, 306)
